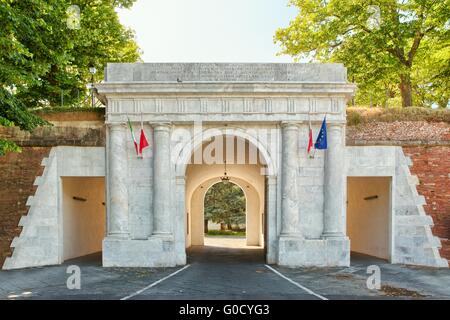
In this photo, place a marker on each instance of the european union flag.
(321, 142)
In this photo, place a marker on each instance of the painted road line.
(296, 284)
(155, 283)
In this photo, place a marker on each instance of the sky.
(208, 30)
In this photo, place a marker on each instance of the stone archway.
(254, 179)
(146, 200)
(186, 151)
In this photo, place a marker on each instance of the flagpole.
(132, 134)
(140, 133)
(312, 154)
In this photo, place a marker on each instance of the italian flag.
(134, 138)
(310, 140)
(143, 142)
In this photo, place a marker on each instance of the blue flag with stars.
(321, 142)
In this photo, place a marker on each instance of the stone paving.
(218, 271)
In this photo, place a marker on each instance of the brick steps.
(18, 172)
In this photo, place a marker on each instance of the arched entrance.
(248, 165)
(254, 214)
(224, 210)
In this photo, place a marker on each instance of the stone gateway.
(304, 209)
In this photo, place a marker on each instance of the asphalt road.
(223, 273)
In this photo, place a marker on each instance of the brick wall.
(17, 174)
(56, 136)
(432, 167)
(428, 145)
(19, 170)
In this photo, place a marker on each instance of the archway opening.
(228, 215)
(225, 215)
(84, 217)
(369, 214)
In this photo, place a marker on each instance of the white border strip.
(155, 283)
(296, 284)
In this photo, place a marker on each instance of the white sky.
(208, 30)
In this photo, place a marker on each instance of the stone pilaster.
(162, 205)
(271, 219)
(180, 221)
(334, 183)
(117, 180)
(289, 191)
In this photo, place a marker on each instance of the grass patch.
(353, 118)
(358, 115)
(355, 115)
(225, 233)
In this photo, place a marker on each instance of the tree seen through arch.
(225, 205)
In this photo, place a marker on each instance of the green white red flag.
(310, 141)
(134, 138)
(143, 142)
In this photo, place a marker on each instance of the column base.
(118, 235)
(291, 235)
(155, 251)
(297, 252)
(332, 235)
(163, 235)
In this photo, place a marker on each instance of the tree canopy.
(390, 47)
(225, 203)
(46, 52)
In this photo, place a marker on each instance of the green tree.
(431, 76)
(99, 40)
(41, 57)
(378, 40)
(225, 203)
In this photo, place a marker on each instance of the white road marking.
(296, 284)
(155, 283)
